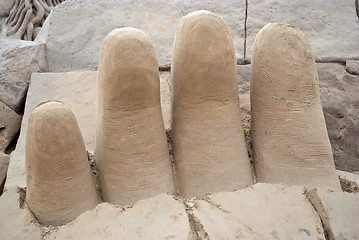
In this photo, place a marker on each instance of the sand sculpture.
(60, 185)
(207, 135)
(131, 145)
(290, 140)
(24, 18)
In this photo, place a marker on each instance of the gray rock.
(9, 125)
(18, 60)
(339, 97)
(77, 28)
(352, 66)
(4, 164)
(349, 181)
(331, 27)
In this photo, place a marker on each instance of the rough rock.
(352, 66)
(349, 181)
(78, 91)
(159, 217)
(339, 212)
(4, 164)
(17, 223)
(18, 60)
(73, 47)
(9, 125)
(245, 105)
(263, 211)
(339, 97)
(330, 26)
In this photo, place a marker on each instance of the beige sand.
(60, 185)
(208, 141)
(131, 144)
(290, 140)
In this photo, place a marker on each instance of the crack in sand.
(197, 229)
(325, 226)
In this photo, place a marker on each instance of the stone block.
(17, 223)
(339, 212)
(352, 66)
(18, 60)
(263, 211)
(339, 96)
(9, 125)
(159, 217)
(331, 27)
(77, 47)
